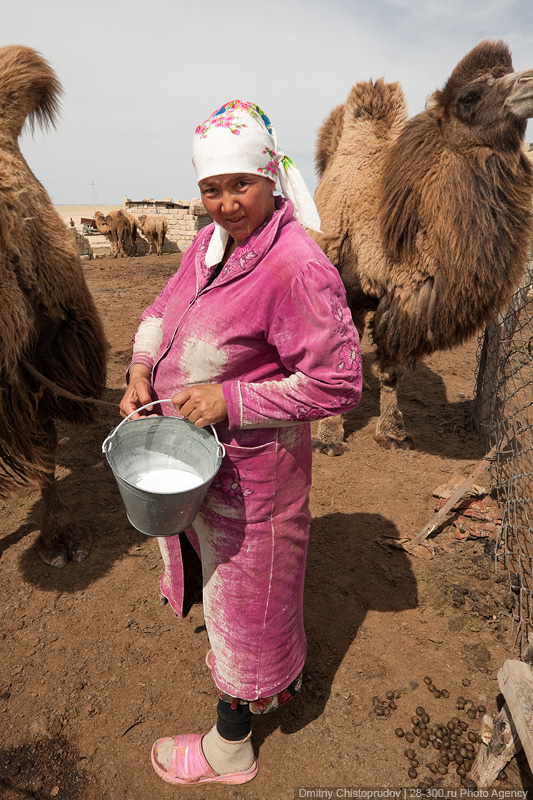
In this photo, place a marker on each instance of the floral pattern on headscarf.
(224, 117)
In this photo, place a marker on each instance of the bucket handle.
(105, 445)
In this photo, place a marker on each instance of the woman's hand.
(203, 404)
(139, 391)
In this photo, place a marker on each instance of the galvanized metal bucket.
(149, 444)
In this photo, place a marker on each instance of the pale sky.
(139, 76)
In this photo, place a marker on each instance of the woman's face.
(240, 203)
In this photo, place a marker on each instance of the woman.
(252, 335)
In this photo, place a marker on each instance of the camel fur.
(427, 219)
(154, 228)
(49, 320)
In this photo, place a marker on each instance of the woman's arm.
(317, 342)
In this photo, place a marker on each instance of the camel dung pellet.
(442, 769)
(437, 744)
(379, 711)
(432, 767)
(439, 733)
(468, 764)
(397, 693)
(463, 725)
(468, 783)
(471, 713)
(399, 732)
(455, 720)
(459, 706)
(461, 771)
(427, 680)
(386, 711)
(461, 700)
(415, 720)
(472, 736)
(409, 753)
(465, 682)
(420, 710)
(431, 736)
(445, 759)
(423, 742)
(414, 762)
(464, 751)
(450, 725)
(468, 702)
(458, 730)
(376, 701)
(432, 688)
(444, 692)
(389, 695)
(437, 693)
(446, 742)
(409, 737)
(392, 705)
(429, 782)
(417, 730)
(481, 709)
(458, 758)
(412, 772)
(425, 718)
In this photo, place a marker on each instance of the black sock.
(233, 724)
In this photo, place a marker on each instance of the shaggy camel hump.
(379, 103)
(29, 90)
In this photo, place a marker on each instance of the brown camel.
(103, 223)
(49, 321)
(131, 232)
(429, 219)
(121, 231)
(154, 229)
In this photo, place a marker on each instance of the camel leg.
(390, 431)
(329, 436)
(61, 539)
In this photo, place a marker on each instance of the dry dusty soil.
(93, 669)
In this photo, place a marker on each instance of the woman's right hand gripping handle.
(139, 391)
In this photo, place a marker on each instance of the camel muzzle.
(520, 101)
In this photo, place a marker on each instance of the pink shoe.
(189, 764)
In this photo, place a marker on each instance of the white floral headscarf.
(239, 137)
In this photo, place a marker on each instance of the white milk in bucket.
(176, 477)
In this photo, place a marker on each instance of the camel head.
(484, 103)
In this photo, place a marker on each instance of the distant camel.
(154, 228)
(427, 220)
(120, 229)
(103, 224)
(50, 330)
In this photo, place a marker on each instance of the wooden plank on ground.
(496, 749)
(516, 683)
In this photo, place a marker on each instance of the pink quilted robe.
(275, 330)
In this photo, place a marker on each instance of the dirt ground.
(94, 669)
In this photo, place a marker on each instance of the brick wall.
(184, 219)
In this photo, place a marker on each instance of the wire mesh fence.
(503, 410)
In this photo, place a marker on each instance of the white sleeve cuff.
(149, 336)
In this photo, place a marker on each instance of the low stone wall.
(184, 219)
